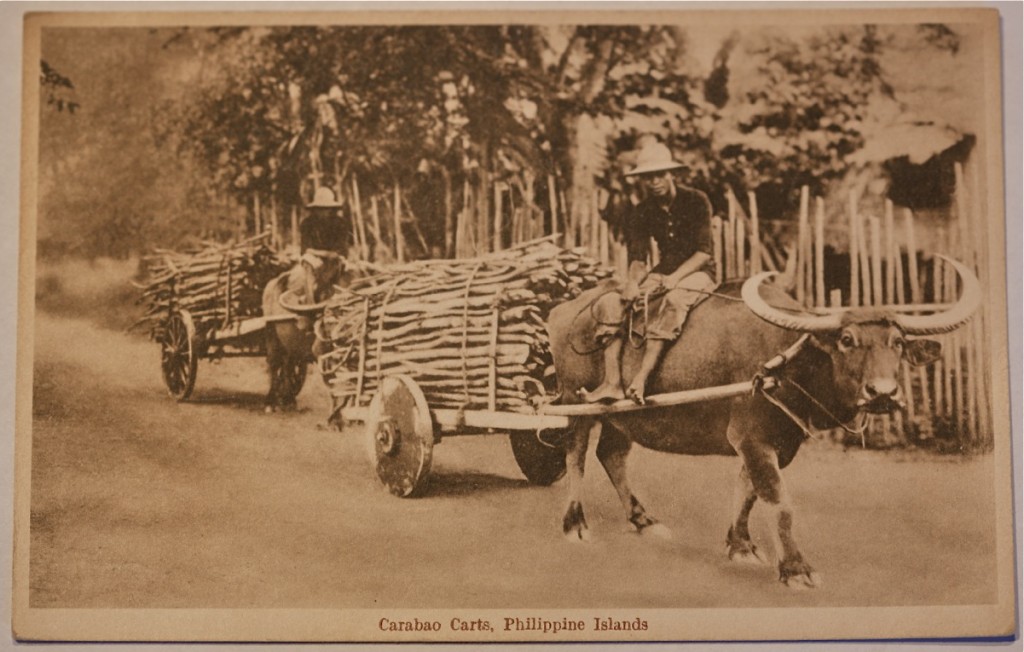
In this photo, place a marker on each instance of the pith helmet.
(654, 157)
(323, 198)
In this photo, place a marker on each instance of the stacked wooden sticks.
(216, 283)
(470, 332)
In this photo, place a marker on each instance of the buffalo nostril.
(882, 387)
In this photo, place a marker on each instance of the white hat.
(323, 198)
(654, 157)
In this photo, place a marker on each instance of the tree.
(383, 103)
(57, 89)
(797, 110)
(107, 187)
(432, 108)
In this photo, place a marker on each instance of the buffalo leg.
(574, 525)
(286, 385)
(738, 543)
(763, 465)
(613, 450)
(275, 353)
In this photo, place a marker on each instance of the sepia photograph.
(512, 326)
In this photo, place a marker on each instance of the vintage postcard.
(512, 326)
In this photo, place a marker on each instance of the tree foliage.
(802, 116)
(270, 111)
(57, 89)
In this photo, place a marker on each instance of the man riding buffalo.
(827, 371)
(806, 372)
(678, 219)
(292, 300)
(323, 234)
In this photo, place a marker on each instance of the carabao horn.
(949, 320)
(751, 294)
(288, 302)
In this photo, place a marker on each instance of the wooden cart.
(403, 429)
(183, 344)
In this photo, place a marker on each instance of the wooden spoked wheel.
(540, 456)
(178, 355)
(401, 435)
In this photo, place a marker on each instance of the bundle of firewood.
(470, 332)
(216, 283)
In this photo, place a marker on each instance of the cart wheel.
(540, 462)
(401, 435)
(293, 376)
(178, 359)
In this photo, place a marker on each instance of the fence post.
(375, 216)
(716, 243)
(957, 350)
(908, 381)
(819, 252)
(397, 214)
(801, 247)
(876, 262)
(943, 399)
(854, 252)
(553, 202)
(890, 254)
(603, 240)
(755, 235)
(296, 243)
(741, 240)
(969, 257)
(357, 213)
(835, 298)
(499, 197)
(729, 248)
(257, 220)
(865, 262)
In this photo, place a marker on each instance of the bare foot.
(603, 394)
(635, 392)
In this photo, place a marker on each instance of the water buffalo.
(291, 303)
(846, 365)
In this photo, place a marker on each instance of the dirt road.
(138, 501)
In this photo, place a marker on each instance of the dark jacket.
(325, 230)
(681, 231)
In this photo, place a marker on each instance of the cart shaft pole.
(559, 416)
(658, 400)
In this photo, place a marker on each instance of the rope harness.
(770, 369)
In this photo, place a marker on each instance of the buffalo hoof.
(799, 575)
(574, 526)
(743, 550)
(657, 531)
(746, 554)
(269, 409)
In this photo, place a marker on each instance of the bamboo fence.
(882, 266)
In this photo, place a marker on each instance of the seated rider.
(678, 218)
(322, 233)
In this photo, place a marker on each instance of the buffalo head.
(866, 346)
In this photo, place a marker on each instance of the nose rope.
(779, 361)
(805, 425)
(853, 431)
